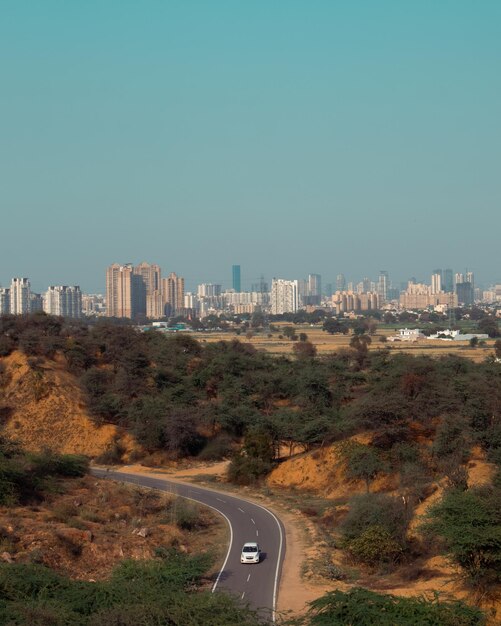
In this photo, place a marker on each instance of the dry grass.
(328, 344)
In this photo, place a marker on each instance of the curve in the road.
(247, 521)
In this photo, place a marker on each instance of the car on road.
(250, 553)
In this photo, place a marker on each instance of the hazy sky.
(288, 136)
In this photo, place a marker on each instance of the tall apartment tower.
(448, 283)
(125, 292)
(4, 301)
(236, 278)
(63, 301)
(151, 275)
(173, 294)
(382, 286)
(284, 296)
(436, 281)
(20, 296)
(340, 282)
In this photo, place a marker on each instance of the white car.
(250, 553)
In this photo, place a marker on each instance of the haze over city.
(288, 137)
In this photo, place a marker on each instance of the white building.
(20, 293)
(63, 301)
(284, 296)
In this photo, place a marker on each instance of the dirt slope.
(42, 406)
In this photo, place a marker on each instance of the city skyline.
(290, 139)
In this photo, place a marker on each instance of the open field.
(327, 344)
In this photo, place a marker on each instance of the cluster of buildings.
(19, 299)
(141, 292)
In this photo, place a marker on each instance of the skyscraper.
(20, 296)
(151, 275)
(284, 296)
(436, 281)
(382, 286)
(125, 292)
(236, 282)
(448, 285)
(340, 282)
(4, 301)
(173, 293)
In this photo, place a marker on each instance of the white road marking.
(221, 500)
(243, 595)
(248, 578)
(252, 520)
(241, 510)
(257, 533)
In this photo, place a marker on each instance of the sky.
(290, 137)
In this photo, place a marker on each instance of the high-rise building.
(448, 285)
(436, 281)
(236, 278)
(173, 293)
(4, 301)
(20, 300)
(208, 290)
(340, 282)
(382, 286)
(63, 301)
(125, 292)
(465, 293)
(151, 275)
(284, 296)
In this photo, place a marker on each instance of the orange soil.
(44, 408)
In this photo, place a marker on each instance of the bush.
(49, 463)
(369, 510)
(469, 522)
(247, 470)
(362, 607)
(216, 449)
(375, 546)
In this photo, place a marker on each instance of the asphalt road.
(256, 584)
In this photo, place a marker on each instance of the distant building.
(465, 293)
(448, 285)
(36, 302)
(236, 278)
(421, 296)
(382, 287)
(20, 296)
(151, 275)
(348, 301)
(63, 301)
(340, 282)
(284, 296)
(208, 290)
(173, 294)
(93, 304)
(4, 301)
(436, 281)
(125, 292)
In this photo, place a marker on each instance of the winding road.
(247, 521)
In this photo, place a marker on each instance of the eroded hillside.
(42, 406)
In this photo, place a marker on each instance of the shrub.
(469, 522)
(362, 463)
(247, 470)
(375, 546)
(367, 608)
(366, 511)
(216, 449)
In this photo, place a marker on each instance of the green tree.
(469, 522)
(363, 463)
